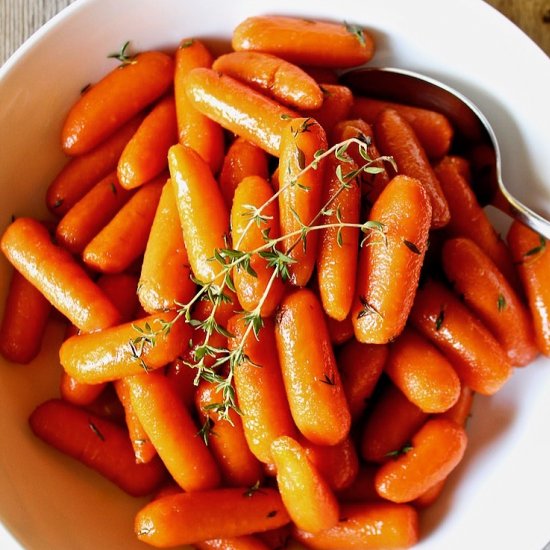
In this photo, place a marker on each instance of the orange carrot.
(304, 41)
(362, 490)
(172, 432)
(203, 214)
(115, 99)
(436, 450)
(191, 517)
(124, 239)
(367, 526)
(97, 443)
(395, 137)
(273, 76)
(307, 497)
(81, 173)
(125, 349)
(53, 271)
(90, 214)
(144, 156)
(236, 543)
(314, 390)
(340, 331)
(532, 259)
(165, 272)
(24, 321)
(238, 108)
(79, 393)
(390, 263)
(491, 298)
(322, 75)
(477, 357)
(337, 103)
(300, 194)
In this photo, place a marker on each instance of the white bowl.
(498, 497)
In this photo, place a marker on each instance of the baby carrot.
(305, 42)
(314, 390)
(339, 331)
(124, 239)
(238, 108)
(172, 432)
(433, 130)
(115, 99)
(202, 515)
(81, 173)
(477, 357)
(126, 349)
(235, 543)
(90, 214)
(367, 526)
(273, 76)
(54, 272)
(395, 137)
(98, 443)
(300, 194)
(257, 283)
(144, 156)
(362, 490)
(491, 298)
(241, 160)
(436, 450)
(202, 211)
(389, 266)
(165, 278)
(225, 438)
(308, 499)
(322, 75)
(337, 103)
(26, 313)
(532, 258)
(260, 389)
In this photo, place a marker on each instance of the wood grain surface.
(20, 18)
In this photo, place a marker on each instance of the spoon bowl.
(473, 130)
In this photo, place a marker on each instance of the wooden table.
(20, 18)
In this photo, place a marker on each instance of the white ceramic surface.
(498, 497)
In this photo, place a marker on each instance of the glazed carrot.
(304, 41)
(165, 272)
(144, 156)
(81, 173)
(337, 103)
(182, 378)
(307, 497)
(491, 298)
(27, 245)
(390, 425)
(322, 75)
(115, 99)
(202, 211)
(97, 443)
(532, 258)
(276, 538)
(390, 263)
(260, 390)
(26, 313)
(436, 450)
(300, 194)
(124, 239)
(91, 213)
(433, 130)
(468, 219)
(362, 489)
(79, 393)
(339, 331)
(273, 76)
(172, 432)
(422, 373)
(237, 543)
(226, 440)
(367, 526)
(238, 108)
(395, 137)
(477, 357)
(242, 159)
(360, 367)
(314, 390)
(338, 247)
(191, 517)
(125, 349)
(255, 285)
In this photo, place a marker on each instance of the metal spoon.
(471, 126)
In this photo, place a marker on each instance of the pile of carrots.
(354, 393)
